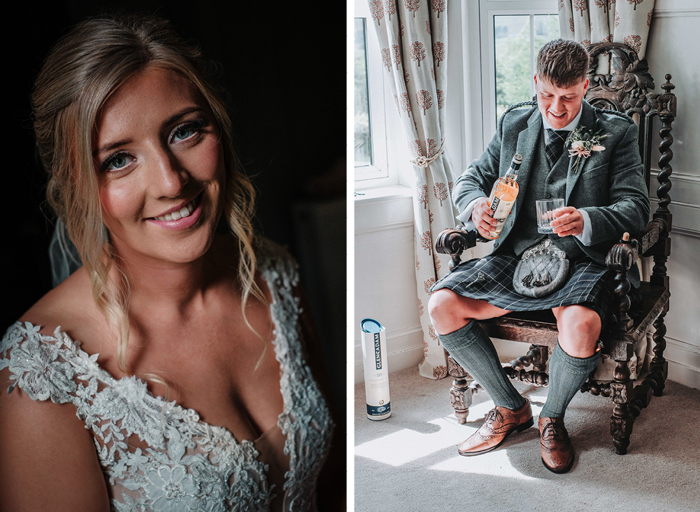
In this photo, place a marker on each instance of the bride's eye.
(182, 133)
(117, 162)
(186, 130)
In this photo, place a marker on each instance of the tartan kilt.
(491, 279)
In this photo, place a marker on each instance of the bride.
(168, 372)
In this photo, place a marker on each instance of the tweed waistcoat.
(544, 183)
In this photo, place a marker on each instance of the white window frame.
(378, 174)
(487, 10)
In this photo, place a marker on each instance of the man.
(605, 196)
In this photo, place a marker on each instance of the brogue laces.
(493, 416)
(552, 431)
(494, 424)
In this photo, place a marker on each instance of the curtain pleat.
(413, 39)
(597, 21)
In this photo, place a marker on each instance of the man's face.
(559, 105)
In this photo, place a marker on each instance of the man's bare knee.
(579, 330)
(581, 319)
(443, 304)
(448, 311)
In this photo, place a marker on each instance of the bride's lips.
(180, 217)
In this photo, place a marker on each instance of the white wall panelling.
(673, 38)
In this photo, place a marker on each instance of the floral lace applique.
(188, 464)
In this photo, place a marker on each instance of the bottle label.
(379, 410)
(494, 203)
(501, 208)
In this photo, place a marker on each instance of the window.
(370, 103)
(512, 33)
(363, 130)
(500, 40)
(517, 41)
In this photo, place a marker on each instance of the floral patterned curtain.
(596, 21)
(413, 39)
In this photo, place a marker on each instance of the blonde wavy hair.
(79, 75)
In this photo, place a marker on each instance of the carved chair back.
(628, 88)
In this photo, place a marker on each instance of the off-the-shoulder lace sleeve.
(38, 364)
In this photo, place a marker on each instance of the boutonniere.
(585, 141)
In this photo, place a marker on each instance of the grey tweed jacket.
(609, 185)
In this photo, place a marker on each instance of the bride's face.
(161, 168)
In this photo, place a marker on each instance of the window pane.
(512, 44)
(363, 139)
(516, 54)
(546, 29)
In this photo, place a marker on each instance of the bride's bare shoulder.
(49, 459)
(69, 305)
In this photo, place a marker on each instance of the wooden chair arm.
(655, 231)
(622, 255)
(620, 259)
(454, 242)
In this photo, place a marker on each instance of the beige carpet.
(410, 461)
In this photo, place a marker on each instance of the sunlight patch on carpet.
(495, 463)
(406, 445)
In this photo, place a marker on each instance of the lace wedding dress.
(183, 463)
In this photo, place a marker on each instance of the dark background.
(283, 64)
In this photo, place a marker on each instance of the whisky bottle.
(503, 196)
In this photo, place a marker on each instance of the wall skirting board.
(683, 362)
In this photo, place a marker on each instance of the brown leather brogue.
(555, 445)
(500, 423)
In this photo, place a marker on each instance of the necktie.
(555, 145)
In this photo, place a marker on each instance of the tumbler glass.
(545, 214)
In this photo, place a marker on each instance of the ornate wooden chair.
(628, 89)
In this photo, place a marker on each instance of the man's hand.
(482, 216)
(567, 221)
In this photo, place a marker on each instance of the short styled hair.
(562, 62)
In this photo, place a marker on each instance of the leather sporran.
(542, 270)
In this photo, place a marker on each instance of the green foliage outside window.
(515, 65)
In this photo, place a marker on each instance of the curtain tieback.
(424, 161)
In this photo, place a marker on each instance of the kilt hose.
(491, 279)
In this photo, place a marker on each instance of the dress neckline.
(190, 413)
